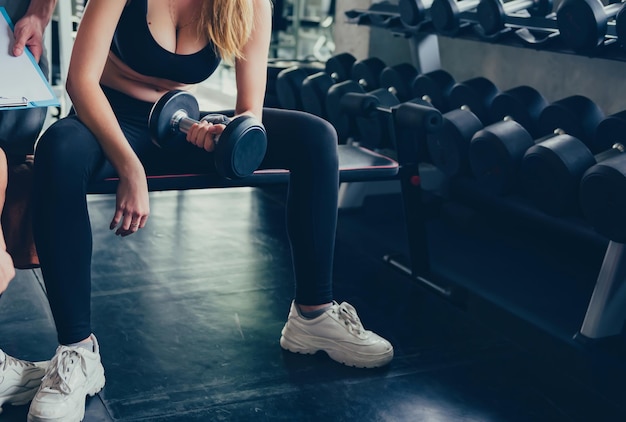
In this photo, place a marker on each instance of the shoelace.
(61, 368)
(7, 361)
(348, 314)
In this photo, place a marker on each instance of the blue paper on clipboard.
(22, 83)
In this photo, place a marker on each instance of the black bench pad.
(356, 164)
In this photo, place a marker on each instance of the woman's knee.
(64, 142)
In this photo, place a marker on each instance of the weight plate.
(164, 133)
(241, 148)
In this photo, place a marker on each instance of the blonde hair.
(228, 24)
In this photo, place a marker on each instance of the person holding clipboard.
(19, 129)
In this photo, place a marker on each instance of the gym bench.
(356, 164)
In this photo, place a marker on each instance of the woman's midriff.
(117, 75)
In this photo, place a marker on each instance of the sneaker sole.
(338, 355)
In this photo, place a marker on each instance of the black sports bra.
(134, 45)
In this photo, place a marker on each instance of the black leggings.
(68, 157)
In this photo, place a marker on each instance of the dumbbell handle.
(616, 149)
(182, 122)
(517, 5)
(464, 5)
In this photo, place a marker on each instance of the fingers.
(26, 36)
(204, 135)
(127, 224)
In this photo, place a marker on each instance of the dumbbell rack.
(541, 37)
(600, 327)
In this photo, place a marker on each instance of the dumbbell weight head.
(166, 114)
(339, 66)
(576, 115)
(523, 104)
(446, 15)
(289, 85)
(476, 94)
(448, 147)
(313, 93)
(367, 72)
(399, 79)
(602, 197)
(434, 87)
(240, 148)
(495, 155)
(492, 14)
(336, 116)
(496, 151)
(583, 23)
(413, 12)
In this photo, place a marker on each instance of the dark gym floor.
(188, 313)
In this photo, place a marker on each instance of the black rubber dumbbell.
(496, 155)
(496, 151)
(493, 16)
(547, 190)
(413, 13)
(450, 16)
(321, 95)
(398, 79)
(435, 88)
(417, 116)
(239, 149)
(289, 85)
(468, 102)
(602, 197)
(289, 80)
(583, 24)
(367, 105)
(565, 159)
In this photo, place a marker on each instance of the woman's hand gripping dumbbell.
(239, 148)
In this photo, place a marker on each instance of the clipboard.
(22, 83)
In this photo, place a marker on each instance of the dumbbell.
(493, 15)
(289, 84)
(434, 87)
(566, 158)
(371, 129)
(583, 24)
(548, 190)
(368, 105)
(289, 80)
(383, 13)
(496, 151)
(469, 103)
(450, 16)
(413, 13)
(402, 119)
(497, 155)
(239, 149)
(321, 94)
(602, 197)
(398, 80)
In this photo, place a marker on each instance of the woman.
(128, 54)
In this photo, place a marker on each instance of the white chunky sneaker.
(339, 333)
(19, 380)
(73, 374)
